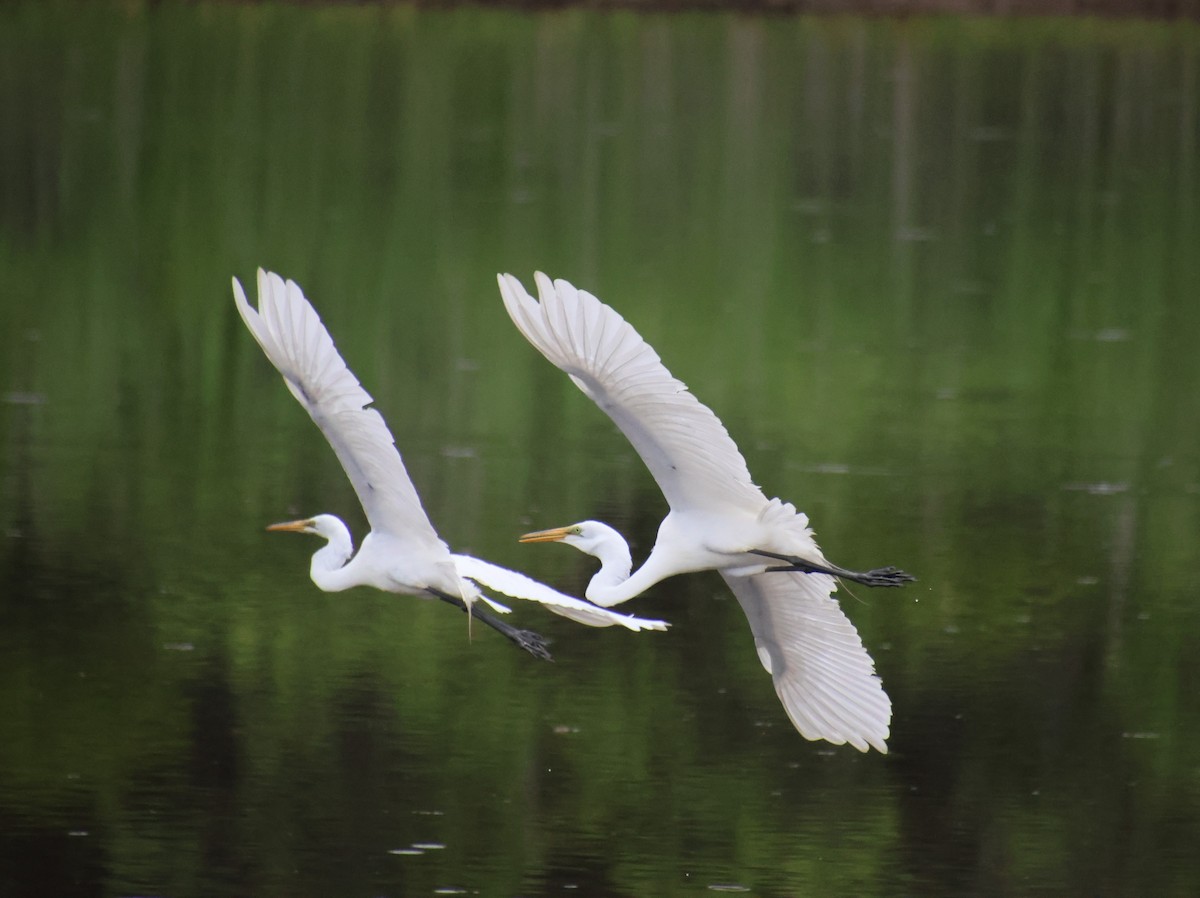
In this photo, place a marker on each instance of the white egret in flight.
(403, 552)
(718, 519)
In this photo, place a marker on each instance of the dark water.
(939, 278)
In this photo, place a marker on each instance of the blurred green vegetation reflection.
(938, 277)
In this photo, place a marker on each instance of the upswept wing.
(686, 447)
(290, 332)
(518, 586)
(822, 674)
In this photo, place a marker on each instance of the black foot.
(532, 643)
(526, 639)
(882, 576)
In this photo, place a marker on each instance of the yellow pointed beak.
(293, 526)
(546, 536)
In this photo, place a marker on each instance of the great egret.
(718, 519)
(403, 552)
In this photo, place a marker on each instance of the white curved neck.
(328, 568)
(613, 583)
(615, 564)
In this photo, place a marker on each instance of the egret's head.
(323, 525)
(586, 536)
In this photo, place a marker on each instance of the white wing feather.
(291, 334)
(822, 674)
(518, 586)
(686, 447)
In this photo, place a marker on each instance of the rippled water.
(938, 278)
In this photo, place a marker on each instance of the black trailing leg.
(526, 639)
(882, 576)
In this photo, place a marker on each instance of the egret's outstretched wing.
(685, 446)
(823, 675)
(290, 332)
(518, 586)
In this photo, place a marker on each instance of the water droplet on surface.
(1100, 488)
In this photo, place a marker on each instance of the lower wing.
(518, 586)
(822, 674)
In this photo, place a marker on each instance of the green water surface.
(940, 279)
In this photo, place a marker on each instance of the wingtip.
(641, 624)
(876, 740)
(545, 286)
(248, 313)
(862, 742)
(272, 280)
(510, 289)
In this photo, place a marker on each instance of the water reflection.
(937, 278)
